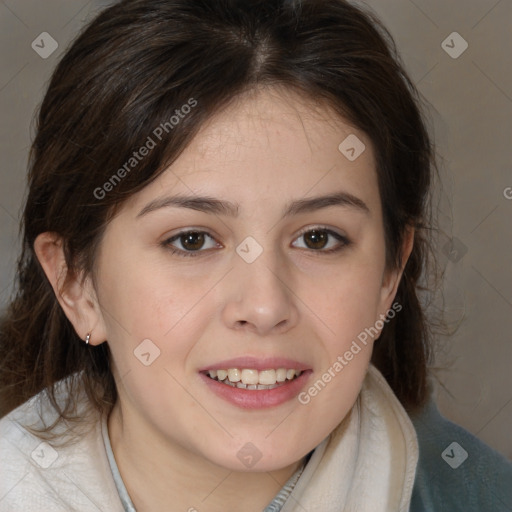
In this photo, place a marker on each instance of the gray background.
(470, 110)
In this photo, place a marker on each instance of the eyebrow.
(215, 206)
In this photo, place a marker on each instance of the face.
(275, 280)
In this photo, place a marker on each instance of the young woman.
(218, 302)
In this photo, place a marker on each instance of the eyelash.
(345, 242)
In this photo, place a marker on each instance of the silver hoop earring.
(87, 338)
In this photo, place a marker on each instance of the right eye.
(191, 242)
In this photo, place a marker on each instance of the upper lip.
(255, 363)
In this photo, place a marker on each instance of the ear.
(391, 279)
(75, 294)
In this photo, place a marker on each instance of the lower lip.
(258, 398)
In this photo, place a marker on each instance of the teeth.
(268, 377)
(234, 375)
(249, 378)
(281, 375)
(241, 385)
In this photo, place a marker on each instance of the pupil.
(318, 238)
(193, 240)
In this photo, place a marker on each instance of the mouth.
(252, 379)
(251, 383)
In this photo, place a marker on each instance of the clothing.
(377, 459)
(483, 482)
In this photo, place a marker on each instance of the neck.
(165, 477)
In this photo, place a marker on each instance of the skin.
(176, 442)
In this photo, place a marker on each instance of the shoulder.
(67, 474)
(456, 471)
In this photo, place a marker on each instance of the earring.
(87, 338)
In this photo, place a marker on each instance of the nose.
(259, 297)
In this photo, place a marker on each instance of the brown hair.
(126, 74)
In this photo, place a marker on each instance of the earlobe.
(76, 297)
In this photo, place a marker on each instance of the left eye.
(318, 238)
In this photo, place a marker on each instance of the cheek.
(169, 311)
(141, 300)
(347, 301)
(350, 311)
(153, 324)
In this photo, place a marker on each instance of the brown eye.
(192, 241)
(316, 239)
(323, 241)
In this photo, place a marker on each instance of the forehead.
(272, 143)
(282, 124)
